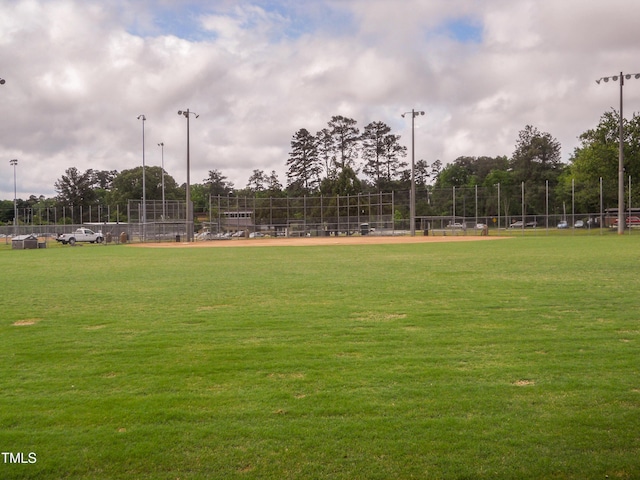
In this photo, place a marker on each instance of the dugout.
(24, 242)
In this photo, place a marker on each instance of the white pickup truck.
(80, 235)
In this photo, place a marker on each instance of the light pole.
(14, 163)
(144, 186)
(186, 114)
(164, 214)
(412, 200)
(615, 78)
(498, 207)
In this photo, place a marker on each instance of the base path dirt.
(313, 241)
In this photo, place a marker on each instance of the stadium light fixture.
(620, 78)
(187, 114)
(412, 200)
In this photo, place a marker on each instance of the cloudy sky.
(79, 72)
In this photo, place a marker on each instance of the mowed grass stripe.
(509, 359)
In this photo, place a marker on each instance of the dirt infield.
(314, 241)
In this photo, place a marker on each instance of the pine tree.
(303, 164)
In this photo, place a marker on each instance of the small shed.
(24, 242)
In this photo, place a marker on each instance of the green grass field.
(509, 359)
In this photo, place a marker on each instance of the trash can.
(177, 238)
(364, 229)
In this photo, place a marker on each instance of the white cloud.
(79, 72)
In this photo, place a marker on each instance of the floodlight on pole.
(412, 200)
(187, 113)
(615, 78)
(144, 186)
(164, 213)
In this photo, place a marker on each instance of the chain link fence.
(448, 211)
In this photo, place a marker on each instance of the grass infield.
(514, 359)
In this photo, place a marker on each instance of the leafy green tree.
(303, 165)
(127, 185)
(199, 197)
(453, 175)
(536, 161)
(456, 175)
(382, 152)
(468, 172)
(346, 183)
(436, 167)
(6, 211)
(502, 179)
(257, 182)
(76, 188)
(483, 166)
(103, 179)
(597, 157)
(217, 184)
(153, 181)
(274, 187)
(345, 137)
(422, 173)
(326, 153)
(43, 209)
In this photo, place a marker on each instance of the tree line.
(340, 159)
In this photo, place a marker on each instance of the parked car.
(631, 221)
(563, 224)
(518, 224)
(204, 236)
(579, 224)
(456, 225)
(80, 235)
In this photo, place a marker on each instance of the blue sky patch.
(183, 24)
(296, 19)
(464, 30)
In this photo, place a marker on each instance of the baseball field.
(335, 358)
